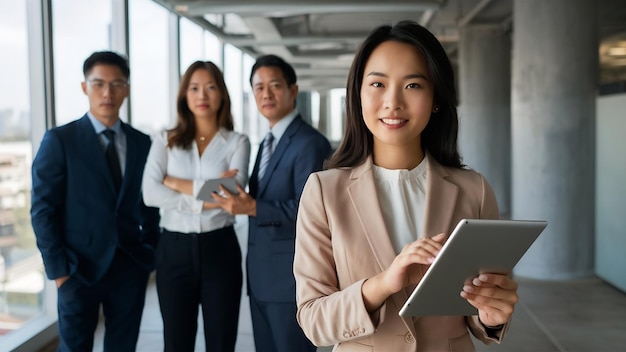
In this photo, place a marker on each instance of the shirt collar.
(222, 133)
(99, 127)
(281, 126)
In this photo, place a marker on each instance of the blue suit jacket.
(272, 232)
(78, 218)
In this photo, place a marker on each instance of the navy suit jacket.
(272, 232)
(78, 218)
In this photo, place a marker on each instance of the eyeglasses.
(99, 85)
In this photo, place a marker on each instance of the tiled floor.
(574, 316)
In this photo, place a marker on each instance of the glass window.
(233, 76)
(150, 96)
(79, 28)
(213, 48)
(255, 125)
(191, 44)
(315, 109)
(250, 112)
(337, 113)
(21, 271)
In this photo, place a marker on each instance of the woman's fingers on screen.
(431, 245)
(421, 252)
(439, 237)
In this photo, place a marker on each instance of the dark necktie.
(266, 153)
(113, 160)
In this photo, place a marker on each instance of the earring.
(436, 109)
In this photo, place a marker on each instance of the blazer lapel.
(131, 160)
(282, 146)
(254, 180)
(441, 197)
(362, 192)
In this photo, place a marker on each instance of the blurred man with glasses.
(95, 234)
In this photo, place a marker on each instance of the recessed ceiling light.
(181, 8)
(617, 51)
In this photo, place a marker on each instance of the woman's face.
(396, 96)
(203, 95)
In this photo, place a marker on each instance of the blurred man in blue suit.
(95, 234)
(290, 152)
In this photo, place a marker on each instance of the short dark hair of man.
(272, 60)
(106, 58)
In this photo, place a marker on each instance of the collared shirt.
(120, 138)
(281, 126)
(181, 212)
(402, 197)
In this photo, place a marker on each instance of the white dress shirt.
(181, 212)
(281, 126)
(120, 138)
(402, 198)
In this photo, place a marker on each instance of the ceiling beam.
(321, 83)
(290, 41)
(426, 17)
(473, 12)
(322, 72)
(264, 29)
(281, 8)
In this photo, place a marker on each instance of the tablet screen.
(213, 185)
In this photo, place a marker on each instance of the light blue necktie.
(268, 149)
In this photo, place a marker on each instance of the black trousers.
(199, 270)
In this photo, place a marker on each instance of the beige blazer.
(341, 240)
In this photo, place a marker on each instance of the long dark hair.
(439, 137)
(185, 130)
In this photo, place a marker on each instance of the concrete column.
(555, 65)
(485, 106)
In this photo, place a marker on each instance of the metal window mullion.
(120, 43)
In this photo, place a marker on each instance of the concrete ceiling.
(319, 37)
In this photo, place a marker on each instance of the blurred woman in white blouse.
(198, 259)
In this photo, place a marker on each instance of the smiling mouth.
(393, 122)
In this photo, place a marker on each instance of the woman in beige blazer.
(363, 242)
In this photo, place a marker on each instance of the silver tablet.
(475, 246)
(213, 185)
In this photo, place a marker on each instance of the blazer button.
(408, 338)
